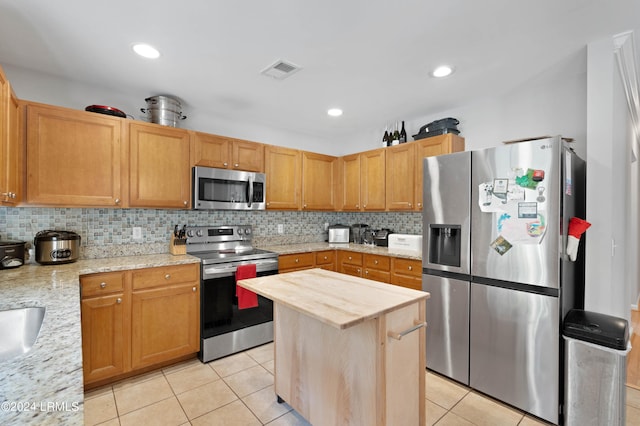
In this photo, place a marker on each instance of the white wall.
(48, 89)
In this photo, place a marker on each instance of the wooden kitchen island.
(348, 351)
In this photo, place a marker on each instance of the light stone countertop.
(45, 385)
(339, 300)
(359, 248)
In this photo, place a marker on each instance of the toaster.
(338, 234)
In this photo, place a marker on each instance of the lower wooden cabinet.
(136, 319)
(326, 260)
(350, 263)
(377, 268)
(407, 273)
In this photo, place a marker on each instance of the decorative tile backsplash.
(108, 232)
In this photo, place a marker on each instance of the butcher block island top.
(339, 300)
(348, 350)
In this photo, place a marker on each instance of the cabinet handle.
(304, 206)
(325, 258)
(399, 336)
(268, 204)
(118, 300)
(349, 257)
(225, 164)
(185, 202)
(117, 200)
(297, 260)
(359, 270)
(194, 289)
(375, 262)
(419, 204)
(166, 277)
(364, 206)
(9, 194)
(411, 268)
(366, 272)
(236, 165)
(103, 285)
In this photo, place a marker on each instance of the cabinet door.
(400, 177)
(407, 273)
(247, 156)
(74, 158)
(372, 179)
(318, 181)
(283, 168)
(164, 324)
(326, 260)
(10, 145)
(350, 263)
(105, 336)
(350, 185)
(437, 145)
(210, 151)
(159, 170)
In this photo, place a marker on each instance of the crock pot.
(53, 247)
(11, 254)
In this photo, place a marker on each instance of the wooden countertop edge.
(413, 296)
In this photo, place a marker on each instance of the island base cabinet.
(372, 379)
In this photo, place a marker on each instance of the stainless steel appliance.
(11, 254)
(222, 189)
(381, 237)
(495, 263)
(225, 329)
(53, 247)
(339, 234)
(357, 233)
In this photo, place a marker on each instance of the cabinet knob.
(297, 260)
(349, 257)
(359, 270)
(9, 194)
(117, 200)
(236, 165)
(185, 202)
(167, 276)
(420, 205)
(103, 285)
(194, 289)
(118, 300)
(411, 268)
(364, 206)
(268, 204)
(410, 205)
(325, 258)
(225, 164)
(304, 206)
(357, 206)
(375, 262)
(366, 272)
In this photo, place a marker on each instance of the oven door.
(219, 306)
(221, 189)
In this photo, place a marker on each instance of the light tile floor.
(238, 390)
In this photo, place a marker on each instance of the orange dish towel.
(246, 298)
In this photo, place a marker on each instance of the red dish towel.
(246, 298)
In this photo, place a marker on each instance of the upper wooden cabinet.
(283, 168)
(319, 174)
(159, 171)
(437, 145)
(349, 193)
(226, 153)
(372, 179)
(74, 158)
(10, 145)
(400, 177)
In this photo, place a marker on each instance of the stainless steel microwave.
(221, 189)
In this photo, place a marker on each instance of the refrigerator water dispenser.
(444, 244)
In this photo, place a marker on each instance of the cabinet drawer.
(295, 261)
(350, 258)
(103, 283)
(373, 274)
(161, 276)
(407, 281)
(410, 267)
(354, 270)
(378, 262)
(325, 257)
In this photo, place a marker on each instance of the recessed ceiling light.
(335, 112)
(442, 71)
(146, 51)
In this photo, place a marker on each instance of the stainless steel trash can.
(595, 368)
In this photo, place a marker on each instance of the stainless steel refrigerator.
(495, 230)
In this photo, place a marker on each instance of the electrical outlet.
(280, 228)
(137, 233)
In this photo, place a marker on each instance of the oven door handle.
(227, 270)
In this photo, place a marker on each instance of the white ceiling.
(368, 57)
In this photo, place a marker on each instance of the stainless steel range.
(225, 329)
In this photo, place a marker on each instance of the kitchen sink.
(19, 330)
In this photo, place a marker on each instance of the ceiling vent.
(280, 70)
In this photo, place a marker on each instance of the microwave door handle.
(250, 192)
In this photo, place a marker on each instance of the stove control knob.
(190, 233)
(199, 233)
(247, 231)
